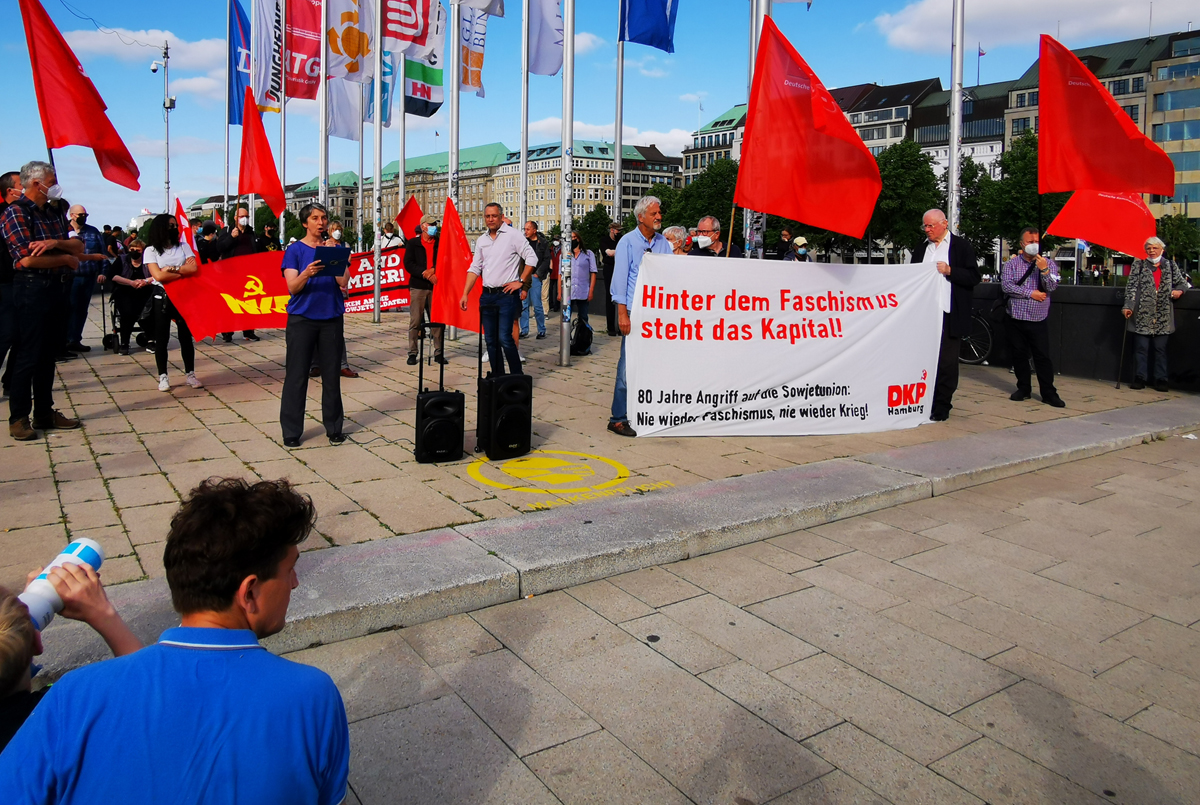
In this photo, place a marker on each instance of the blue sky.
(882, 41)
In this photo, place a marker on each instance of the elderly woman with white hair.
(677, 236)
(1153, 284)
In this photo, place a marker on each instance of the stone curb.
(355, 590)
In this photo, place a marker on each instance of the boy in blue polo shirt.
(206, 714)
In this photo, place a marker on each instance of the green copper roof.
(981, 92)
(1106, 61)
(584, 149)
(343, 179)
(477, 156)
(726, 120)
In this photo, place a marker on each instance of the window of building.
(896, 130)
(1187, 161)
(1179, 99)
(877, 149)
(902, 113)
(878, 115)
(855, 119)
(1139, 85)
(1132, 111)
(1189, 191)
(1179, 130)
(1185, 47)
(1020, 125)
(1119, 87)
(687, 161)
(1020, 100)
(879, 133)
(1033, 99)
(1178, 71)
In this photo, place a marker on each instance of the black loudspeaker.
(505, 427)
(440, 417)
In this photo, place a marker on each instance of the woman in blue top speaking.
(314, 326)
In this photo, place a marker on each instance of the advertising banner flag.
(350, 41)
(648, 22)
(801, 158)
(407, 23)
(303, 48)
(1086, 141)
(423, 75)
(391, 72)
(545, 37)
(72, 111)
(345, 109)
(779, 351)
(493, 8)
(393, 281)
(239, 293)
(472, 38)
(454, 258)
(238, 62)
(1120, 221)
(268, 62)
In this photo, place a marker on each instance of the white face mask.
(54, 192)
(1031, 249)
(703, 241)
(243, 221)
(337, 234)
(1155, 259)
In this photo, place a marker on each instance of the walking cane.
(103, 318)
(1121, 365)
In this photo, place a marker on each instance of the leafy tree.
(1181, 236)
(973, 223)
(910, 188)
(592, 226)
(710, 193)
(1011, 203)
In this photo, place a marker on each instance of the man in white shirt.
(499, 255)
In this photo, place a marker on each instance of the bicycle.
(976, 347)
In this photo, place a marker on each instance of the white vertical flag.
(350, 40)
(493, 8)
(472, 38)
(545, 37)
(267, 80)
(345, 109)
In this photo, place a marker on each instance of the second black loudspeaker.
(505, 416)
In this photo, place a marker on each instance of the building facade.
(720, 139)
(1173, 119)
(984, 110)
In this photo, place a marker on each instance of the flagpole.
(400, 82)
(759, 11)
(323, 111)
(978, 59)
(618, 140)
(254, 57)
(956, 98)
(283, 78)
(358, 217)
(454, 85)
(377, 163)
(567, 208)
(523, 183)
(228, 79)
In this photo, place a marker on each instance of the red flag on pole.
(1119, 221)
(218, 220)
(73, 113)
(409, 218)
(257, 172)
(1086, 140)
(454, 258)
(801, 159)
(185, 227)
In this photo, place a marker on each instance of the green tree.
(710, 193)
(1012, 203)
(592, 226)
(1181, 236)
(910, 188)
(973, 223)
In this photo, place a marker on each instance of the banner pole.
(953, 181)
(283, 79)
(454, 86)
(618, 140)
(523, 184)
(567, 210)
(377, 147)
(323, 111)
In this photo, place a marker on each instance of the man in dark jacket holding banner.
(954, 258)
(420, 264)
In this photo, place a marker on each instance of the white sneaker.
(522, 357)
(193, 381)
(163, 384)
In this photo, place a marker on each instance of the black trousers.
(947, 372)
(130, 303)
(1026, 338)
(164, 314)
(305, 338)
(39, 327)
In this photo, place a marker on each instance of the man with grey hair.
(44, 262)
(707, 241)
(954, 259)
(645, 238)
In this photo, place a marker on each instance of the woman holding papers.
(314, 326)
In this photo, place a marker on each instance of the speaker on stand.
(440, 415)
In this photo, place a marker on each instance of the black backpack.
(581, 338)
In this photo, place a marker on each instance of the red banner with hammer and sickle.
(240, 293)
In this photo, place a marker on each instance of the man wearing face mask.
(1027, 280)
(91, 263)
(420, 263)
(535, 298)
(798, 251)
(238, 240)
(779, 250)
(44, 261)
(707, 242)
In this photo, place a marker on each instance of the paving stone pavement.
(120, 477)
(1031, 640)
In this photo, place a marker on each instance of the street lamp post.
(168, 105)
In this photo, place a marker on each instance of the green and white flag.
(423, 74)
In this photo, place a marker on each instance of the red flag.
(1086, 140)
(257, 173)
(454, 258)
(238, 293)
(409, 218)
(801, 159)
(217, 219)
(1119, 221)
(73, 113)
(185, 227)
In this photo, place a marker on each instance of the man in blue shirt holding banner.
(206, 714)
(630, 249)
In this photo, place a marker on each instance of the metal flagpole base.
(452, 333)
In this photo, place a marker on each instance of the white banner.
(725, 347)
(268, 55)
(350, 41)
(545, 37)
(472, 39)
(345, 109)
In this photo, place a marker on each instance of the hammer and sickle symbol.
(254, 287)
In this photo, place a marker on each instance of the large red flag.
(239, 293)
(73, 113)
(1086, 141)
(801, 159)
(1119, 221)
(185, 227)
(454, 258)
(409, 218)
(257, 173)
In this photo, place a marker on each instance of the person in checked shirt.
(1027, 280)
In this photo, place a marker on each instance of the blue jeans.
(497, 312)
(80, 299)
(39, 310)
(534, 297)
(1141, 350)
(620, 407)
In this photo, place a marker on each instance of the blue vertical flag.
(238, 63)
(649, 22)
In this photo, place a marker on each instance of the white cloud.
(209, 87)
(649, 66)
(693, 97)
(669, 142)
(201, 55)
(586, 43)
(924, 25)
